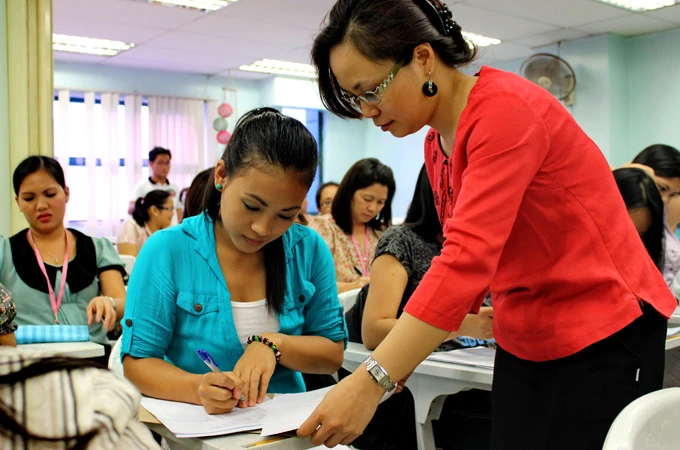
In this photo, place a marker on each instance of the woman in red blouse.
(530, 210)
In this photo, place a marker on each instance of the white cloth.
(131, 233)
(251, 318)
(145, 186)
(74, 402)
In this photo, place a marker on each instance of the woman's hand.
(478, 326)
(255, 368)
(219, 392)
(345, 411)
(101, 308)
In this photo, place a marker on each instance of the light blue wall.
(628, 90)
(654, 90)
(6, 196)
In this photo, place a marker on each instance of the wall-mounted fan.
(551, 73)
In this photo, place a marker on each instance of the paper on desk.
(288, 411)
(186, 420)
(475, 357)
(673, 331)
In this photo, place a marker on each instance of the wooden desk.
(72, 349)
(430, 383)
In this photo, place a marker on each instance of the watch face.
(377, 373)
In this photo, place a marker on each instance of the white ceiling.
(217, 43)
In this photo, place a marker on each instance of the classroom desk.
(672, 342)
(675, 317)
(72, 349)
(430, 383)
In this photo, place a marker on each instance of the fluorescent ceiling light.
(203, 5)
(479, 40)
(281, 68)
(88, 46)
(640, 5)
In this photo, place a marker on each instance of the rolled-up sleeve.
(150, 310)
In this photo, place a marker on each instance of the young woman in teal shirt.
(241, 272)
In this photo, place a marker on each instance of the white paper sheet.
(186, 420)
(673, 331)
(476, 357)
(287, 412)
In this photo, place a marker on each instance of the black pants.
(570, 403)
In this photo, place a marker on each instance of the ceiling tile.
(306, 14)
(671, 14)
(216, 46)
(496, 25)
(538, 40)
(628, 26)
(104, 30)
(252, 30)
(129, 12)
(563, 13)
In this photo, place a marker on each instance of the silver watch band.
(379, 374)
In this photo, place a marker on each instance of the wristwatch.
(379, 374)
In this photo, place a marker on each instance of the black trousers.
(570, 403)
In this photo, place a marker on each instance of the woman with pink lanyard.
(361, 211)
(58, 276)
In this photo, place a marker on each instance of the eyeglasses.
(375, 96)
(165, 208)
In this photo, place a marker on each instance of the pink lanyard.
(364, 261)
(56, 302)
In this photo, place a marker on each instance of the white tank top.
(251, 318)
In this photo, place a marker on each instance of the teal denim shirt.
(178, 300)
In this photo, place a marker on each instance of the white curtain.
(93, 136)
(179, 125)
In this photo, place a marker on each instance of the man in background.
(159, 165)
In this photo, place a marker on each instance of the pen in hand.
(356, 269)
(210, 362)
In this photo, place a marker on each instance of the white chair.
(650, 422)
(348, 298)
(115, 365)
(129, 262)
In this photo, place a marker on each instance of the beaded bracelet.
(268, 343)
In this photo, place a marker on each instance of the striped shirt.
(66, 403)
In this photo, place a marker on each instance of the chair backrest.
(114, 359)
(348, 298)
(129, 262)
(650, 422)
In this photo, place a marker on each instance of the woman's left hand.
(255, 368)
(345, 411)
(101, 307)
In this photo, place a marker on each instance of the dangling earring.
(218, 186)
(430, 88)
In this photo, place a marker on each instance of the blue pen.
(210, 362)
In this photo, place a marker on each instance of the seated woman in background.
(7, 314)
(664, 161)
(152, 213)
(402, 256)
(324, 197)
(645, 208)
(66, 403)
(58, 275)
(361, 212)
(241, 281)
(193, 201)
